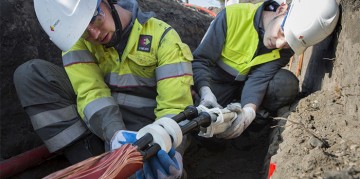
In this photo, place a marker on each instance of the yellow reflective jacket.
(238, 53)
(153, 71)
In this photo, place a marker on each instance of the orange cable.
(299, 67)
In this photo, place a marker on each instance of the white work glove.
(208, 99)
(245, 116)
(224, 119)
(122, 137)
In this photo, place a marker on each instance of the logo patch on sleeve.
(144, 43)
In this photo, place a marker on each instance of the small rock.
(354, 147)
(315, 105)
(314, 142)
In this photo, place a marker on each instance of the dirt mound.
(190, 25)
(321, 137)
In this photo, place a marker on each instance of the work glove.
(224, 119)
(208, 99)
(122, 137)
(162, 166)
(244, 117)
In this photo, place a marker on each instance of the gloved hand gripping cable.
(221, 119)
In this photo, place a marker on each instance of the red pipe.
(199, 8)
(21, 162)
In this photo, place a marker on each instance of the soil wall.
(320, 138)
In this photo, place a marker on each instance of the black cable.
(147, 150)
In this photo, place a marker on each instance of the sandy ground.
(313, 147)
(320, 139)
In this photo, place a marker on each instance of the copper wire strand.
(107, 165)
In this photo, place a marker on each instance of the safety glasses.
(98, 17)
(96, 21)
(283, 22)
(286, 15)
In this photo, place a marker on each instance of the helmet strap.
(118, 32)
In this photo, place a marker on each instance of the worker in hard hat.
(241, 56)
(122, 70)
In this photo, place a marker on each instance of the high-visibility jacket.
(154, 70)
(239, 54)
(234, 44)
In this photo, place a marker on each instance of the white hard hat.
(308, 22)
(65, 20)
(230, 2)
(280, 1)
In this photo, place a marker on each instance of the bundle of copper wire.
(119, 163)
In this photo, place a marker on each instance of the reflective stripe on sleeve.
(65, 137)
(78, 56)
(173, 70)
(54, 116)
(97, 105)
(128, 80)
(133, 101)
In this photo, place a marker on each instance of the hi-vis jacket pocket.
(143, 66)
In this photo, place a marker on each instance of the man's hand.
(208, 99)
(245, 116)
(164, 165)
(122, 137)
